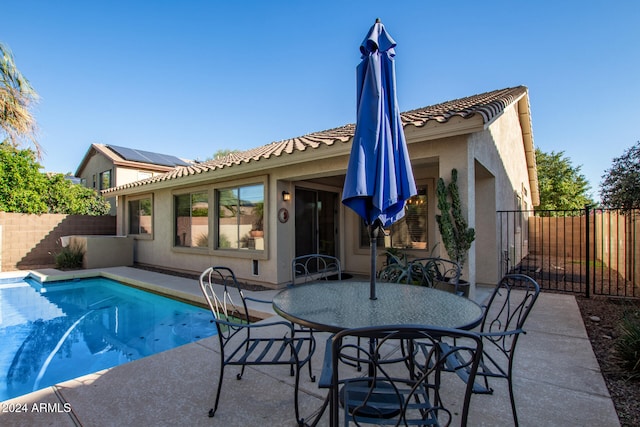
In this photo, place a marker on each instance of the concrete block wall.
(30, 241)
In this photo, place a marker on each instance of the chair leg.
(311, 340)
(511, 395)
(513, 403)
(213, 410)
(295, 398)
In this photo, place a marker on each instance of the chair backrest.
(436, 271)
(225, 300)
(398, 393)
(507, 310)
(310, 267)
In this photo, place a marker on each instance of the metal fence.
(585, 251)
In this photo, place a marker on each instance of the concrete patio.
(558, 381)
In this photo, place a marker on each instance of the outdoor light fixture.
(286, 196)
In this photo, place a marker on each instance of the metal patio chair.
(243, 343)
(305, 269)
(391, 394)
(312, 267)
(439, 273)
(502, 324)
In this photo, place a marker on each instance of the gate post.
(587, 245)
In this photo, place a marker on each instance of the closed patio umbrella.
(379, 178)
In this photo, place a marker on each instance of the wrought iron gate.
(585, 251)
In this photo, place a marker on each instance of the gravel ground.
(601, 318)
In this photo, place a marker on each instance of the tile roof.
(489, 105)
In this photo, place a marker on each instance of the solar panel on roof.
(147, 156)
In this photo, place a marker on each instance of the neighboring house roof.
(142, 156)
(133, 158)
(488, 105)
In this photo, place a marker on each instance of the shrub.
(456, 236)
(628, 343)
(69, 257)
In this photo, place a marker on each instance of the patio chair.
(312, 267)
(390, 394)
(502, 324)
(243, 343)
(439, 273)
(305, 269)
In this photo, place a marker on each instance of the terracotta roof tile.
(489, 105)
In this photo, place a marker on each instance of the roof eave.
(249, 167)
(524, 110)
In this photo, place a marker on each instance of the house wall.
(97, 164)
(491, 167)
(500, 156)
(273, 263)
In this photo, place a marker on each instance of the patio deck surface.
(557, 381)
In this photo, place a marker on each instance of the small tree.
(561, 185)
(24, 189)
(620, 187)
(456, 236)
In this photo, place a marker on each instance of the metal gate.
(585, 251)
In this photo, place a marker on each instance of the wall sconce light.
(286, 196)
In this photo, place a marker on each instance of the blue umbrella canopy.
(379, 177)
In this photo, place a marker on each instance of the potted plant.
(456, 235)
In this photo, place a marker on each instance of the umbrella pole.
(373, 248)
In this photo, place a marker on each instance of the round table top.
(336, 305)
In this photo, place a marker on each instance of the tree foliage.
(16, 99)
(24, 189)
(561, 185)
(221, 154)
(620, 187)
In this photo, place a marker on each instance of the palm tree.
(16, 98)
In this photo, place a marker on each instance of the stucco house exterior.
(253, 211)
(106, 166)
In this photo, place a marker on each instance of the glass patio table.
(332, 306)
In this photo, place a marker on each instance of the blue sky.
(190, 77)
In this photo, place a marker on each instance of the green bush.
(628, 343)
(69, 257)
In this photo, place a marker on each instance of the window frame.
(239, 251)
(385, 240)
(141, 236)
(190, 192)
(101, 179)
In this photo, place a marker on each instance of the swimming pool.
(57, 331)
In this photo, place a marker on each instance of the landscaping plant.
(70, 257)
(456, 236)
(628, 343)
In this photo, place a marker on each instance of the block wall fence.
(30, 241)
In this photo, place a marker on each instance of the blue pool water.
(54, 332)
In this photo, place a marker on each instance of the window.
(409, 232)
(140, 216)
(192, 220)
(241, 217)
(105, 179)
